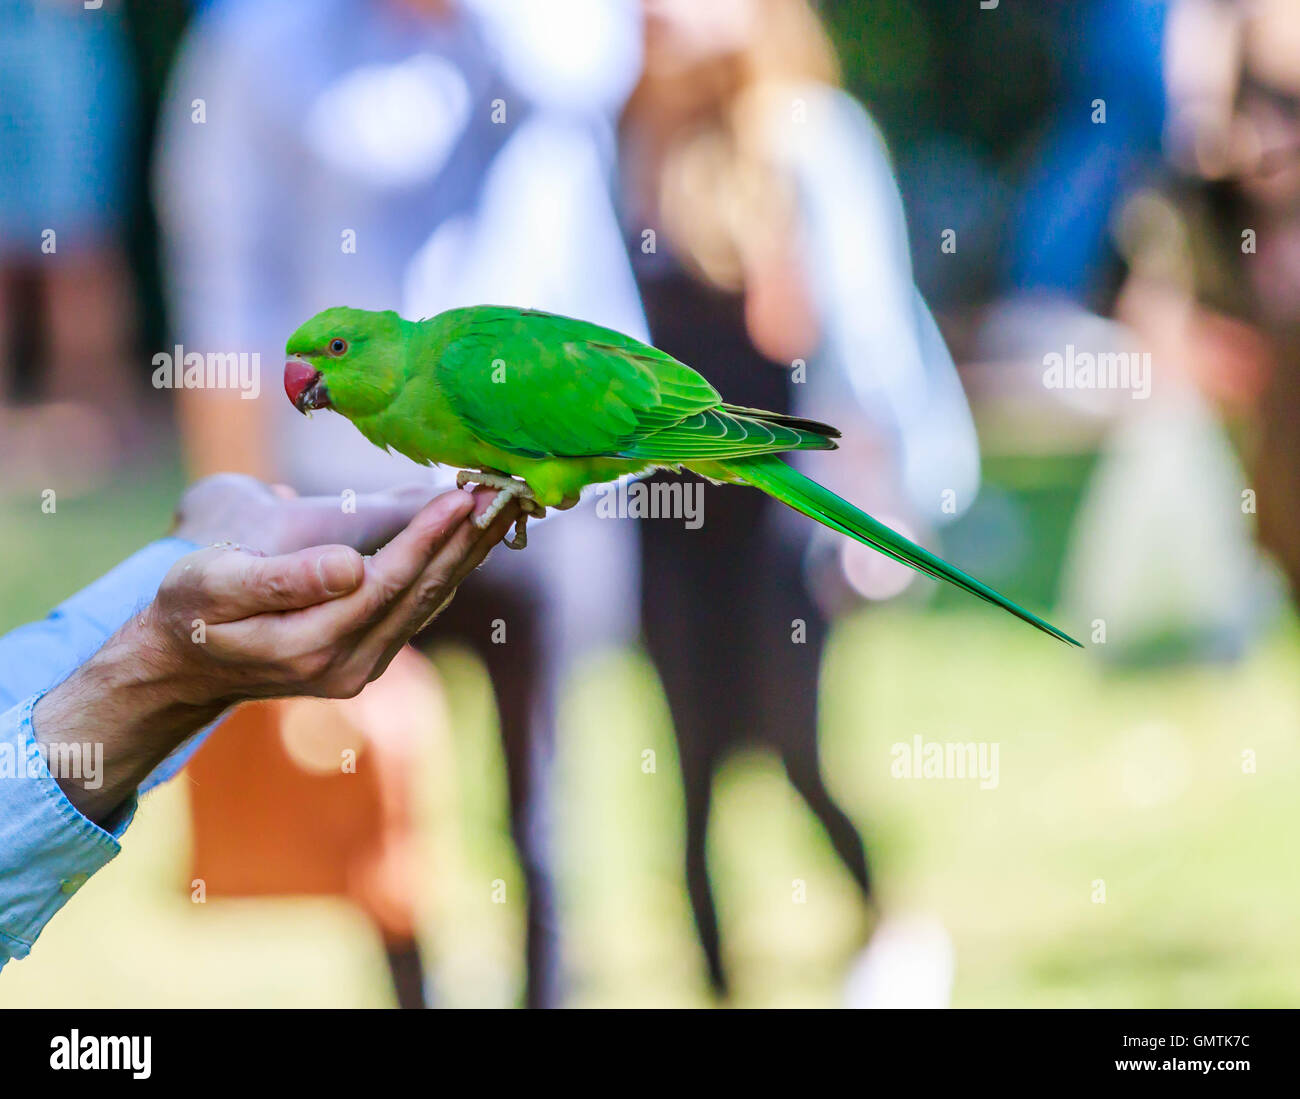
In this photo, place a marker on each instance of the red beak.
(302, 383)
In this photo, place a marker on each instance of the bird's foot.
(508, 488)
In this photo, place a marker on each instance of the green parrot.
(539, 406)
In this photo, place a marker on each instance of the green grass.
(50, 548)
(1135, 780)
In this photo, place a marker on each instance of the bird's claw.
(508, 488)
(520, 540)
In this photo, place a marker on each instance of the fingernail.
(339, 571)
(458, 500)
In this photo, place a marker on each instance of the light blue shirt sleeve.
(48, 849)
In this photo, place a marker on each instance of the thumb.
(232, 584)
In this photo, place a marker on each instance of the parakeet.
(539, 406)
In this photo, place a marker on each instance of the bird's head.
(350, 360)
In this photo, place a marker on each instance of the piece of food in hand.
(539, 406)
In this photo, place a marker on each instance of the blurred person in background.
(406, 154)
(1102, 140)
(1233, 75)
(1114, 253)
(66, 122)
(770, 249)
(1052, 189)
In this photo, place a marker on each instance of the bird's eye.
(338, 346)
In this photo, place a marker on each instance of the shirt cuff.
(48, 849)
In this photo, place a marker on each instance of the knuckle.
(295, 666)
(172, 610)
(344, 684)
(435, 589)
(176, 586)
(280, 585)
(388, 590)
(312, 666)
(193, 581)
(375, 602)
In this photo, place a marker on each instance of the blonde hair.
(790, 45)
(714, 185)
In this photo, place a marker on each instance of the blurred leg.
(407, 971)
(804, 771)
(695, 595)
(395, 714)
(6, 335)
(525, 712)
(384, 875)
(704, 724)
(526, 715)
(791, 637)
(1277, 465)
(697, 782)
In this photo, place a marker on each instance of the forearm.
(119, 715)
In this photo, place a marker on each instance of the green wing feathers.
(544, 386)
(730, 431)
(795, 490)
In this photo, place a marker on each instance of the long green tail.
(773, 476)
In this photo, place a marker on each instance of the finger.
(462, 562)
(338, 658)
(500, 527)
(228, 584)
(382, 515)
(404, 558)
(389, 573)
(422, 601)
(213, 504)
(367, 521)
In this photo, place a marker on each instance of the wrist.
(130, 706)
(140, 678)
(151, 666)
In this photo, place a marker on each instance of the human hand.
(322, 621)
(232, 507)
(230, 624)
